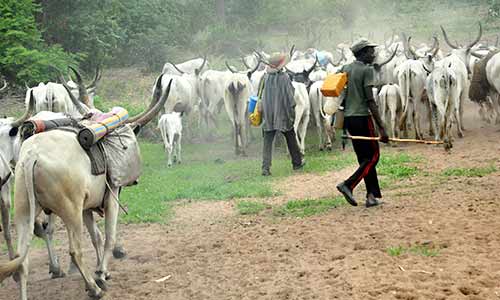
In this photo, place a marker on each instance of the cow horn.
(244, 63)
(156, 97)
(410, 49)
(254, 69)
(178, 70)
(478, 38)
(475, 54)
(390, 58)
(4, 85)
(447, 40)
(292, 51)
(230, 68)
(80, 106)
(82, 91)
(198, 70)
(97, 78)
(426, 70)
(150, 114)
(27, 113)
(435, 47)
(290, 72)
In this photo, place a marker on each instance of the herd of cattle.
(409, 81)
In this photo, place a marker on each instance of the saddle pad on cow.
(100, 125)
(97, 159)
(123, 158)
(479, 85)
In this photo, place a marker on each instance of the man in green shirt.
(359, 109)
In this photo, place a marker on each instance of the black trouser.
(291, 141)
(367, 152)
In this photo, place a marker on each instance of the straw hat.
(278, 60)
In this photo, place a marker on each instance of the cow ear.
(13, 131)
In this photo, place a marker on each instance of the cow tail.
(12, 266)
(407, 94)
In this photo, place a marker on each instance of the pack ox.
(70, 192)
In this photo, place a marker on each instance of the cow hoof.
(57, 273)
(460, 135)
(119, 252)
(96, 294)
(102, 284)
(321, 148)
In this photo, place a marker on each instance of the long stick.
(368, 138)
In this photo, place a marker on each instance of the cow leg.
(46, 233)
(5, 209)
(243, 139)
(416, 123)
(236, 139)
(74, 226)
(429, 118)
(95, 234)
(111, 210)
(303, 132)
(179, 148)
(459, 122)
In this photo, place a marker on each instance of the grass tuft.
(250, 207)
(469, 172)
(308, 207)
(422, 250)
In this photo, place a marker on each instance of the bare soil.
(211, 252)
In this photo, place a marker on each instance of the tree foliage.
(24, 56)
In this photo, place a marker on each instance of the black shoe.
(266, 173)
(299, 167)
(346, 191)
(370, 202)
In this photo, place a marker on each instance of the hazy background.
(35, 35)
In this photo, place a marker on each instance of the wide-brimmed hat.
(278, 60)
(361, 44)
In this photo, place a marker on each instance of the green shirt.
(359, 76)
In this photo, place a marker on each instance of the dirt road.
(210, 252)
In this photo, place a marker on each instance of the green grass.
(308, 207)
(422, 250)
(469, 172)
(397, 165)
(250, 207)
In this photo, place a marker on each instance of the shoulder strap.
(261, 87)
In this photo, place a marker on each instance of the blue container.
(251, 103)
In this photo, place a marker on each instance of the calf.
(170, 126)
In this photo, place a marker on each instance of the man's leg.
(267, 151)
(293, 148)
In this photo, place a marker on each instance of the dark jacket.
(278, 104)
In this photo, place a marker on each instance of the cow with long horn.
(70, 191)
(458, 62)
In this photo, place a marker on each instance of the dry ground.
(210, 252)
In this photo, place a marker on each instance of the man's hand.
(384, 138)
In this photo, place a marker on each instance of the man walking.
(278, 112)
(359, 108)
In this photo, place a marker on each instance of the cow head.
(90, 89)
(428, 57)
(463, 52)
(303, 77)
(249, 72)
(9, 127)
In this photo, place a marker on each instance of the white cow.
(411, 77)
(390, 103)
(444, 96)
(236, 94)
(302, 114)
(212, 87)
(170, 126)
(322, 120)
(190, 67)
